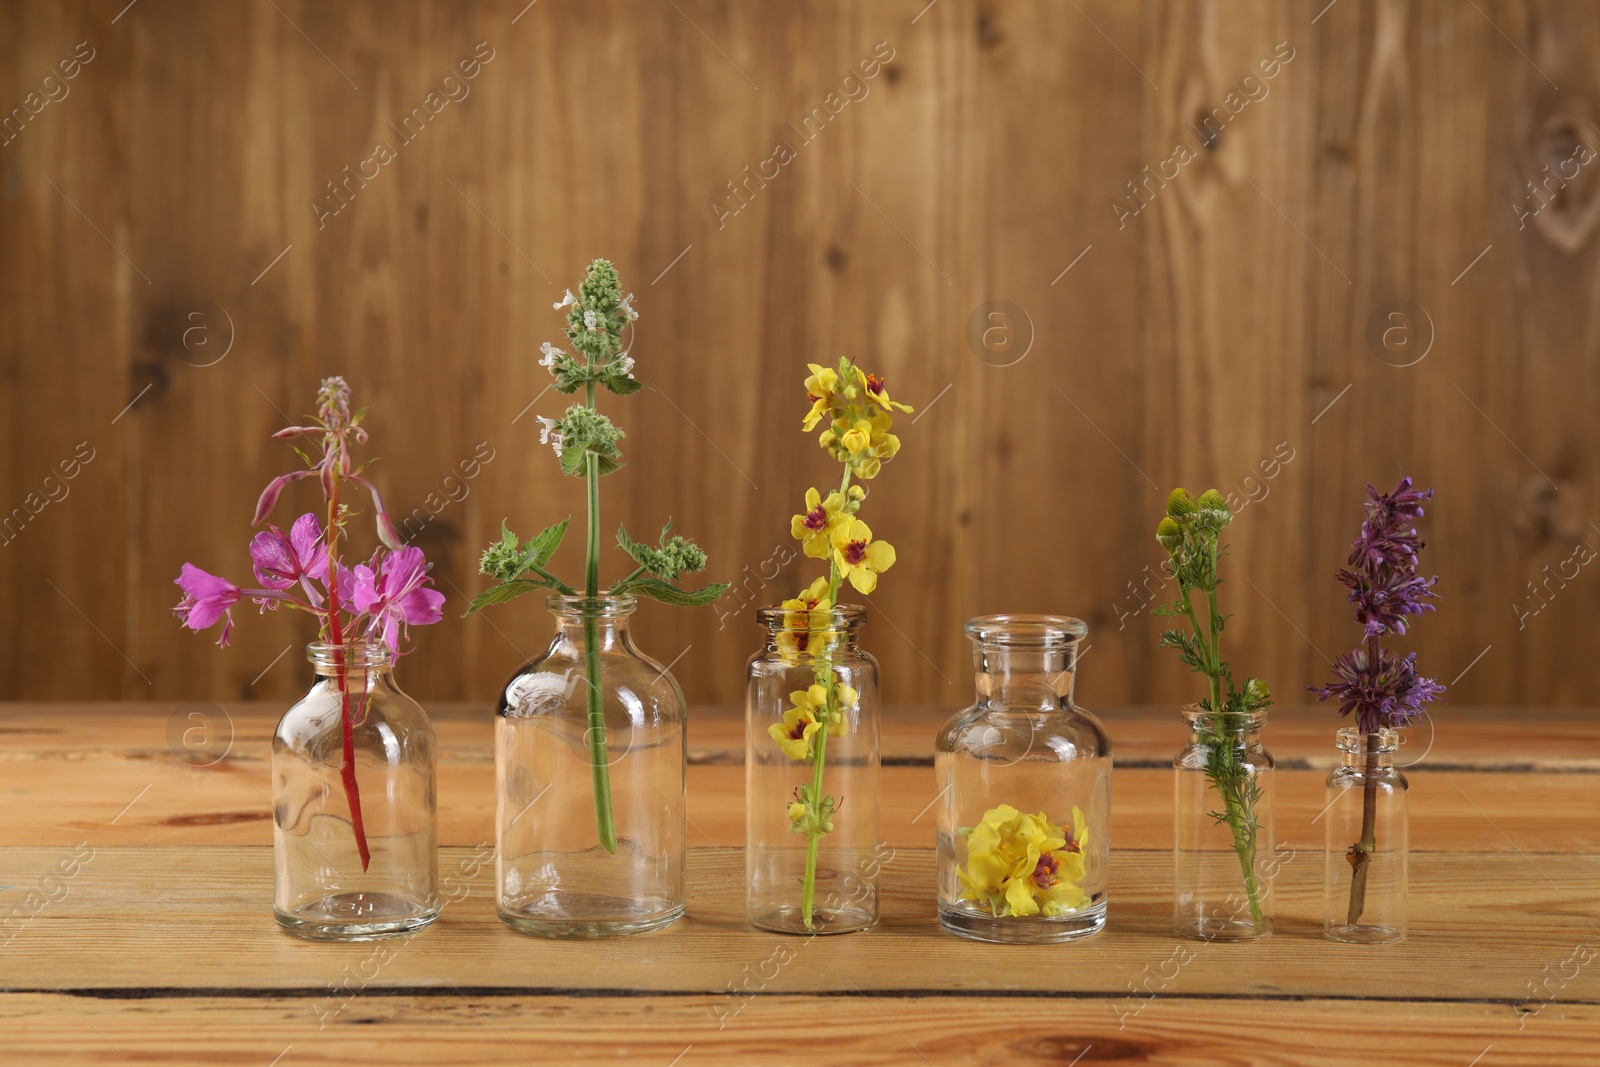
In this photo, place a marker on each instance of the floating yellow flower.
(858, 557)
(814, 529)
(1021, 865)
(877, 391)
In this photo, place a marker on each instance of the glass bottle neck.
(357, 665)
(1023, 679)
(1353, 744)
(608, 631)
(1240, 726)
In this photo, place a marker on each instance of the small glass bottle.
(1366, 804)
(321, 891)
(556, 876)
(1223, 867)
(805, 654)
(1024, 785)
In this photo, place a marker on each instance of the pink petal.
(306, 537)
(275, 566)
(200, 585)
(422, 606)
(366, 588)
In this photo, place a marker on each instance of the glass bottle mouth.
(1352, 740)
(584, 607)
(360, 654)
(1234, 720)
(1027, 632)
(845, 618)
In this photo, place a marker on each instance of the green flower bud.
(1169, 534)
(1256, 693)
(1214, 513)
(1181, 505)
(1213, 499)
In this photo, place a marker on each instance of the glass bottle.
(1021, 768)
(555, 875)
(1366, 802)
(1223, 867)
(321, 891)
(802, 652)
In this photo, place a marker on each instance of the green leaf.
(543, 545)
(667, 593)
(638, 553)
(499, 594)
(622, 385)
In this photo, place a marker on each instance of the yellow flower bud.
(857, 439)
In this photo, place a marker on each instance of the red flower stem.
(347, 764)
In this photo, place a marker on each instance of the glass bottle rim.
(604, 606)
(1350, 739)
(841, 618)
(361, 653)
(1197, 714)
(1030, 632)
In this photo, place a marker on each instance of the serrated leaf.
(543, 545)
(622, 385)
(634, 549)
(667, 593)
(499, 594)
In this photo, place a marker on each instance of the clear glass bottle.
(1366, 803)
(1223, 868)
(1023, 768)
(802, 651)
(321, 891)
(556, 877)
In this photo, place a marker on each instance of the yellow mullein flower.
(820, 389)
(814, 528)
(877, 391)
(1021, 865)
(795, 732)
(805, 617)
(797, 812)
(860, 558)
(858, 438)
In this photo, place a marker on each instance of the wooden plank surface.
(162, 947)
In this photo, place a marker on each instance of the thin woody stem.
(1360, 853)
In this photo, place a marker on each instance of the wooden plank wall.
(1211, 328)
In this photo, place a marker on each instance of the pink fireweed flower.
(395, 596)
(206, 598)
(281, 561)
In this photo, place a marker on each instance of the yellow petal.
(863, 579)
(880, 556)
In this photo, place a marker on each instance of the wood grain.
(179, 866)
(1187, 344)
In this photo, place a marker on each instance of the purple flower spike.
(1379, 686)
(396, 596)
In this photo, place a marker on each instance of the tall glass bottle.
(1223, 857)
(795, 659)
(1365, 900)
(1024, 787)
(555, 877)
(321, 891)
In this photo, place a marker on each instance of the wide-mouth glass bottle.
(554, 770)
(1024, 791)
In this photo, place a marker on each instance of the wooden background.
(1223, 324)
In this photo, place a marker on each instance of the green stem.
(824, 676)
(1222, 763)
(605, 820)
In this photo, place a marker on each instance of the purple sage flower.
(1381, 687)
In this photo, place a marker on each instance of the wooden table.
(161, 948)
